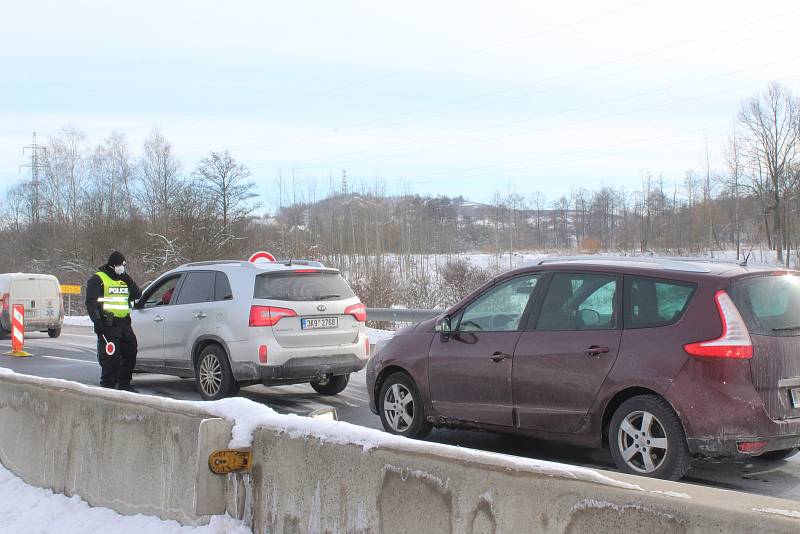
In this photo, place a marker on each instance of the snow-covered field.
(27, 509)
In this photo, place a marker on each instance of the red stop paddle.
(110, 347)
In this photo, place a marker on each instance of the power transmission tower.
(35, 164)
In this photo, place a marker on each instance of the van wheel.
(4, 334)
(401, 407)
(54, 332)
(331, 385)
(213, 376)
(646, 438)
(777, 456)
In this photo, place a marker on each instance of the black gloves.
(98, 328)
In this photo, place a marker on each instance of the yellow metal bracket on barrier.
(230, 461)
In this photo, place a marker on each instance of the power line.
(35, 165)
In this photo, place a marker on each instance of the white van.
(41, 296)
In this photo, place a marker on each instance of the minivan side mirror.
(443, 326)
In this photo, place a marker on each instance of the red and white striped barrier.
(18, 331)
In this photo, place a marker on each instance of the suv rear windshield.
(770, 305)
(302, 286)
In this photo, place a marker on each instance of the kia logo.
(322, 307)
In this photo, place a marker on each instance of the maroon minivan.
(661, 360)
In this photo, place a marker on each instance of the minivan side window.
(580, 301)
(652, 302)
(499, 309)
(197, 287)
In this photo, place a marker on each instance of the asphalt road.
(72, 357)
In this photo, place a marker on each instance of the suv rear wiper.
(326, 297)
(785, 328)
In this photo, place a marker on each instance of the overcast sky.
(456, 97)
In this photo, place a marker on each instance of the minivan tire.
(331, 385)
(777, 456)
(419, 426)
(213, 377)
(670, 462)
(54, 332)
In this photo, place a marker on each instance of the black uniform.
(117, 368)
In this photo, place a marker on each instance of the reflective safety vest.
(115, 296)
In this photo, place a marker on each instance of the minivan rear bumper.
(297, 370)
(728, 447)
(719, 408)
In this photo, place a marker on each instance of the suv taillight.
(735, 339)
(6, 299)
(359, 311)
(268, 315)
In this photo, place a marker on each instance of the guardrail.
(401, 315)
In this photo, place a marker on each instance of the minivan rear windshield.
(770, 305)
(302, 286)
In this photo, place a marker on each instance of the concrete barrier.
(135, 453)
(132, 453)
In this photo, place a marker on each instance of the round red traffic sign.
(261, 256)
(111, 348)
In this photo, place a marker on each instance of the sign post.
(18, 331)
(69, 291)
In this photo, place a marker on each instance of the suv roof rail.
(212, 262)
(685, 264)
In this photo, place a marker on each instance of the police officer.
(109, 294)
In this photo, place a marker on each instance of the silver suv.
(231, 324)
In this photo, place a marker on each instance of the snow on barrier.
(137, 453)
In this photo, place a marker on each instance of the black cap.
(115, 259)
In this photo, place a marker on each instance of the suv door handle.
(158, 319)
(596, 350)
(499, 356)
(200, 315)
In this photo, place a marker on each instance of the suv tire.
(331, 385)
(646, 438)
(777, 456)
(54, 332)
(401, 416)
(213, 376)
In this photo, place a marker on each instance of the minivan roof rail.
(685, 264)
(212, 262)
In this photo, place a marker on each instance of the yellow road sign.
(70, 290)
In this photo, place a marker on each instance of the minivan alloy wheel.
(642, 442)
(210, 375)
(398, 405)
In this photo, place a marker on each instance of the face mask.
(119, 269)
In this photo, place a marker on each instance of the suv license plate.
(319, 322)
(795, 393)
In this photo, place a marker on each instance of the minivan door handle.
(158, 318)
(499, 356)
(596, 350)
(200, 315)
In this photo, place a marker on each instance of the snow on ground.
(77, 320)
(376, 335)
(27, 509)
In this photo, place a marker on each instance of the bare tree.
(226, 180)
(771, 125)
(160, 180)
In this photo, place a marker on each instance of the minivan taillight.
(735, 339)
(268, 315)
(6, 299)
(359, 311)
